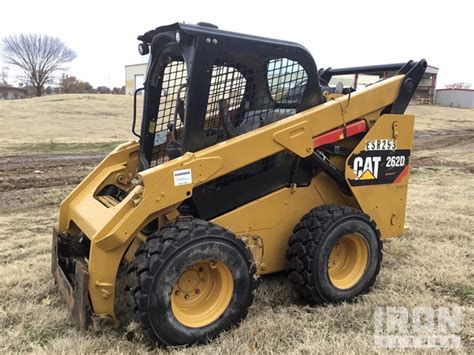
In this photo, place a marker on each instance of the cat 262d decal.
(379, 163)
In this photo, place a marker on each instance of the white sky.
(337, 33)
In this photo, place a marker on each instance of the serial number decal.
(381, 144)
(371, 167)
(182, 177)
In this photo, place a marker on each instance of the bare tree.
(462, 85)
(38, 56)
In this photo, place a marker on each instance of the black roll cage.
(201, 48)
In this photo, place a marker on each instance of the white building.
(9, 93)
(134, 77)
(463, 98)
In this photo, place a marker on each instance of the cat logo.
(373, 167)
(366, 168)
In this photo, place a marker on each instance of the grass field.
(47, 145)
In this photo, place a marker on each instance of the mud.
(450, 149)
(25, 179)
(442, 139)
(34, 182)
(19, 172)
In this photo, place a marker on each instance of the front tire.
(195, 279)
(334, 254)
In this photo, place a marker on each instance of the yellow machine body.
(264, 224)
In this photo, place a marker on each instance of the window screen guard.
(174, 77)
(239, 100)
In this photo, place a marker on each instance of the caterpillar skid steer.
(247, 162)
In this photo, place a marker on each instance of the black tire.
(125, 305)
(310, 247)
(166, 255)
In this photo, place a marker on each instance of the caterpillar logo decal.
(371, 167)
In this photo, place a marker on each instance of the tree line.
(40, 58)
(69, 84)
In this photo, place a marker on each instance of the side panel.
(272, 219)
(377, 172)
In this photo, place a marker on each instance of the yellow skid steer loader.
(247, 162)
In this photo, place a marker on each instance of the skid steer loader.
(247, 162)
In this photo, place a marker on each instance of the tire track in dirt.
(36, 181)
(440, 149)
(19, 172)
(441, 139)
(34, 171)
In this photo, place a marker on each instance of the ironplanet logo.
(421, 327)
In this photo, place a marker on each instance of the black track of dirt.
(34, 171)
(431, 149)
(18, 172)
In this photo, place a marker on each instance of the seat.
(259, 118)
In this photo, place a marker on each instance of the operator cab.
(205, 85)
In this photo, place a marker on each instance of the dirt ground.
(49, 144)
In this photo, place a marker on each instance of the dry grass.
(436, 118)
(430, 266)
(65, 119)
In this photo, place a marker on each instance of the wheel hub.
(189, 281)
(348, 260)
(202, 293)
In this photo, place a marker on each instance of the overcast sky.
(337, 33)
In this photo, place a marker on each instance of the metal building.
(424, 94)
(426, 90)
(463, 98)
(9, 92)
(134, 77)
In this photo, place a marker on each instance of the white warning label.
(182, 177)
(160, 137)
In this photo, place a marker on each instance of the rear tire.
(334, 254)
(195, 279)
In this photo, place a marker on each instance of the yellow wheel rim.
(348, 260)
(202, 293)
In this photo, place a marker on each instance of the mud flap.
(75, 293)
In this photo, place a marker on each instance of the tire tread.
(160, 247)
(304, 242)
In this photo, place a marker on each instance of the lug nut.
(197, 291)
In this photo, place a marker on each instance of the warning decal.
(182, 177)
(160, 137)
(371, 167)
